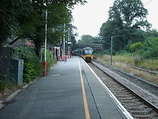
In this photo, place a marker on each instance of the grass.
(150, 64)
(6, 88)
(125, 62)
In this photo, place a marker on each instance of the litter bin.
(17, 66)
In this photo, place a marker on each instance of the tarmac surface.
(71, 90)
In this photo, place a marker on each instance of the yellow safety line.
(85, 102)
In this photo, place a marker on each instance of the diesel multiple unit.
(86, 53)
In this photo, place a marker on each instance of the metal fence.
(5, 56)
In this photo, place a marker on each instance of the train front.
(87, 54)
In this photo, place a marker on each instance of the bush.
(5, 85)
(151, 48)
(121, 52)
(137, 59)
(32, 65)
(136, 47)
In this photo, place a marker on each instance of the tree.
(26, 18)
(4, 14)
(56, 20)
(127, 20)
(86, 39)
(106, 31)
(9, 18)
(129, 13)
(151, 33)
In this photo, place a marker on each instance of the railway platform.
(71, 90)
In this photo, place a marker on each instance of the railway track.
(140, 103)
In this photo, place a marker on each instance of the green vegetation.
(6, 84)
(151, 48)
(135, 47)
(26, 19)
(86, 39)
(127, 25)
(133, 41)
(127, 22)
(132, 60)
(126, 61)
(49, 58)
(32, 64)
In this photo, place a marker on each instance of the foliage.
(49, 58)
(131, 60)
(136, 46)
(26, 18)
(151, 48)
(151, 64)
(151, 33)
(32, 64)
(127, 20)
(137, 59)
(7, 82)
(130, 14)
(126, 58)
(99, 54)
(8, 20)
(32, 71)
(73, 41)
(97, 40)
(6, 85)
(86, 39)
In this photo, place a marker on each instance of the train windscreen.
(88, 52)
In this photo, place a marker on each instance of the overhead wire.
(120, 35)
(147, 2)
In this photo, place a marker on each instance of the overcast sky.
(88, 18)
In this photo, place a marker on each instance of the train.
(86, 53)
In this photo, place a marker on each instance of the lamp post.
(45, 43)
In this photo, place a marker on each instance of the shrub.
(137, 59)
(8, 82)
(151, 48)
(32, 65)
(30, 72)
(136, 47)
